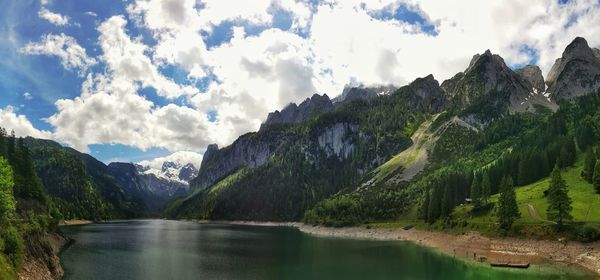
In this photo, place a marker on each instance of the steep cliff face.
(533, 75)
(250, 150)
(576, 73)
(449, 85)
(338, 140)
(316, 105)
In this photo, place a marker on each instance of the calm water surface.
(158, 249)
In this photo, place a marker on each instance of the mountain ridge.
(488, 90)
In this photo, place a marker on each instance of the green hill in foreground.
(532, 205)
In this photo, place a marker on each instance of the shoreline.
(42, 259)
(470, 247)
(74, 222)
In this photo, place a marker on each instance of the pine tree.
(433, 211)
(7, 202)
(588, 168)
(447, 201)
(486, 188)
(425, 208)
(2, 142)
(596, 177)
(10, 147)
(543, 163)
(524, 170)
(559, 203)
(476, 190)
(568, 152)
(508, 211)
(585, 134)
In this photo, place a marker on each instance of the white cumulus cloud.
(54, 18)
(126, 58)
(71, 54)
(330, 44)
(11, 121)
(181, 158)
(109, 111)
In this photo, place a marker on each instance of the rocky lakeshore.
(471, 246)
(75, 222)
(42, 261)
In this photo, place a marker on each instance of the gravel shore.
(74, 222)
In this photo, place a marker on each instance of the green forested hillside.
(42, 182)
(79, 185)
(26, 212)
(451, 196)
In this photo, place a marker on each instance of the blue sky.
(140, 79)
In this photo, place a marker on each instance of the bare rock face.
(249, 150)
(576, 73)
(449, 85)
(336, 140)
(317, 104)
(187, 172)
(533, 75)
(488, 82)
(596, 52)
(426, 95)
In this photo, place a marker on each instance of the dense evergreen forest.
(80, 186)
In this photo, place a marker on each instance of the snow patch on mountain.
(179, 167)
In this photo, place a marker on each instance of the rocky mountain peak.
(490, 61)
(124, 167)
(533, 75)
(292, 113)
(211, 150)
(426, 81)
(576, 73)
(188, 172)
(579, 44)
(167, 165)
(351, 93)
(487, 75)
(425, 94)
(449, 85)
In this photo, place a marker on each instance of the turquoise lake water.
(160, 249)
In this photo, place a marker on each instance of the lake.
(161, 249)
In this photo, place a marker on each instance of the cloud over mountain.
(221, 66)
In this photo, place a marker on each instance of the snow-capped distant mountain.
(159, 180)
(171, 171)
(179, 167)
